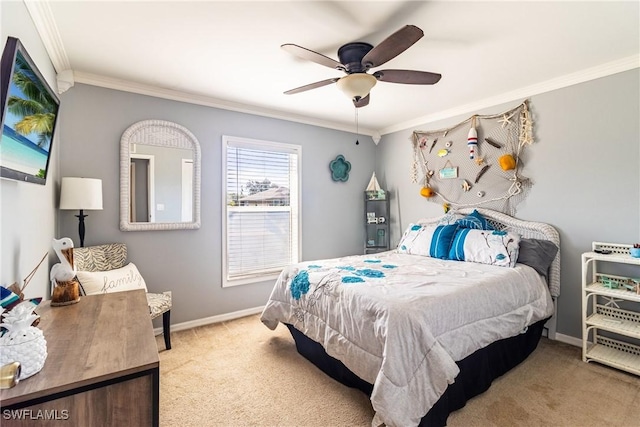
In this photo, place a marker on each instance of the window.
(261, 218)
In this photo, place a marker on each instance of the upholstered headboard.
(527, 229)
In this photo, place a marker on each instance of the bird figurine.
(65, 288)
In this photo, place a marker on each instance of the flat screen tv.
(29, 114)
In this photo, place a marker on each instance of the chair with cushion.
(104, 269)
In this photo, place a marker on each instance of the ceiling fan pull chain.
(357, 130)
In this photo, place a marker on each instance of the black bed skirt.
(477, 370)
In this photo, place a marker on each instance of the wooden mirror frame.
(158, 133)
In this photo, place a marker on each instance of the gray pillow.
(538, 254)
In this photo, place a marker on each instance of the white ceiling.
(228, 53)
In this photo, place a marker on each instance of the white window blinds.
(261, 187)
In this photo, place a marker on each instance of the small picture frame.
(448, 171)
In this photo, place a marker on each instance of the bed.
(425, 327)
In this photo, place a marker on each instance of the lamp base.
(65, 293)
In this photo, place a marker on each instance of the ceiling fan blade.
(309, 55)
(392, 46)
(362, 102)
(312, 86)
(409, 77)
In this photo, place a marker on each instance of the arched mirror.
(159, 177)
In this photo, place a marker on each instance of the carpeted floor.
(240, 373)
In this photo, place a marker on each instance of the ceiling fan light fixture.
(356, 85)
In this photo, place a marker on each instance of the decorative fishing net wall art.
(476, 163)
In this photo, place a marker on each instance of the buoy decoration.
(472, 139)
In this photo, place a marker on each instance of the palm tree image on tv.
(29, 117)
(37, 109)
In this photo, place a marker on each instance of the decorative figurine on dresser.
(65, 287)
(377, 218)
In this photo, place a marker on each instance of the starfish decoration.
(506, 121)
(479, 161)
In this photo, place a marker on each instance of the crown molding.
(604, 70)
(45, 24)
(174, 95)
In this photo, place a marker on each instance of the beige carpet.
(240, 373)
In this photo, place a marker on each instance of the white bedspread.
(400, 322)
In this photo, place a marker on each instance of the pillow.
(538, 254)
(485, 247)
(427, 240)
(475, 220)
(127, 278)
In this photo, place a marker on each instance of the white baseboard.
(568, 339)
(213, 319)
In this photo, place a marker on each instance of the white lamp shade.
(357, 85)
(81, 193)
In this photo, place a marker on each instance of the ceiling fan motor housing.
(358, 57)
(351, 55)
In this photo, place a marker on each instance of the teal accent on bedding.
(441, 241)
(475, 221)
(367, 272)
(456, 252)
(300, 284)
(352, 279)
(372, 261)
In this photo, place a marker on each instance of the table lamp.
(81, 194)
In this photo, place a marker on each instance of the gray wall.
(585, 167)
(28, 213)
(189, 262)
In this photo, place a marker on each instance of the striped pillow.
(427, 240)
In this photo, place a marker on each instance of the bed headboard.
(528, 229)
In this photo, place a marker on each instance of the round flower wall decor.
(340, 168)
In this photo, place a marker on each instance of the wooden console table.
(102, 367)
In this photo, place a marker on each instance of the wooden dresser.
(102, 367)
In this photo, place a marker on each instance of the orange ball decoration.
(507, 162)
(426, 192)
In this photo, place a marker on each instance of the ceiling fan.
(358, 57)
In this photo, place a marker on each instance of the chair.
(112, 256)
